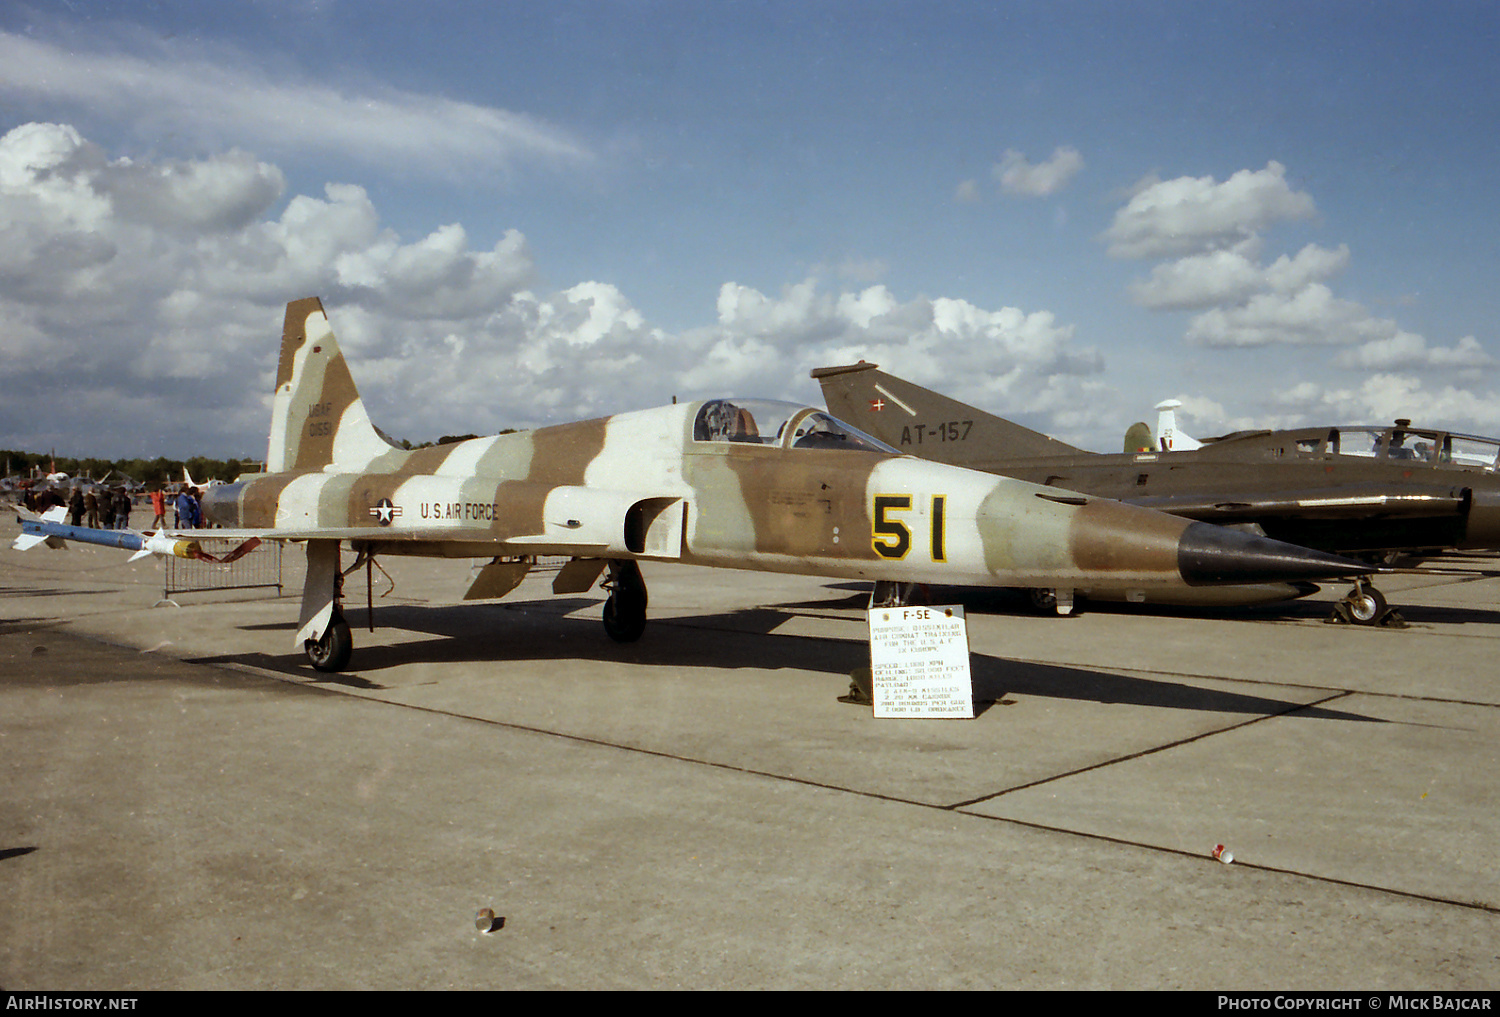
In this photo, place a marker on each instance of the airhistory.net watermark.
(47, 1001)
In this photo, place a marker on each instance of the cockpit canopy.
(1415, 444)
(787, 425)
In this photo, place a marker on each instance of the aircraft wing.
(185, 543)
(330, 533)
(1350, 502)
(405, 535)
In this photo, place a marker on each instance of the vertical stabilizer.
(1171, 439)
(317, 416)
(913, 419)
(1138, 438)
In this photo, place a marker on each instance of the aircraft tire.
(624, 616)
(1042, 601)
(332, 652)
(1367, 606)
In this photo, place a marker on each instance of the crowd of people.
(105, 508)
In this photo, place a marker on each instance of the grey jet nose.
(1208, 555)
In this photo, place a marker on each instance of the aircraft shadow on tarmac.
(480, 633)
(28, 624)
(37, 591)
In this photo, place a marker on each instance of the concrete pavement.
(187, 804)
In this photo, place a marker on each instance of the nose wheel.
(1051, 601)
(1365, 605)
(888, 593)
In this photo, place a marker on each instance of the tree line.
(159, 470)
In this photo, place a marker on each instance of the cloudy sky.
(521, 213)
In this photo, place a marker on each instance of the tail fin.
(923, 423)
(317, 416)
(1171, 439)
(1138, 438)
(31, 534)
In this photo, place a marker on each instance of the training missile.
(49, 529)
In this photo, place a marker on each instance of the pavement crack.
(1165, 746)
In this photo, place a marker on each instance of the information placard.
(919, 662)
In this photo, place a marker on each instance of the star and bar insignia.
(384, 511)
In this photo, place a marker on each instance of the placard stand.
(919, 662)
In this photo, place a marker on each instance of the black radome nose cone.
(1209, 555)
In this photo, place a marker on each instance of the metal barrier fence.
(260, 568)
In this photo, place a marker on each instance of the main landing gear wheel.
(332, 652)
(625, 610)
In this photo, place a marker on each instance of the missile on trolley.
(50, 529)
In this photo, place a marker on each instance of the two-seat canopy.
(786, 425)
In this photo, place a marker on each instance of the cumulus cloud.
(1247, 304)
(1210, 234)
(118, 277)
(1188, 215)
(1312, 264)
(1385, 397)
(144, 301)
(1021, 362)
(1407, 350)
(1021, 177)
(170, 86)
(1233, 275)
(1200, 280)
(1311, 315)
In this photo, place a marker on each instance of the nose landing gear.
(1365, 605)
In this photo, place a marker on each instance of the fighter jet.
(739, 484)
(188, 481)
(1369, 491)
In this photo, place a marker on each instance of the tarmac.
(186, 804)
